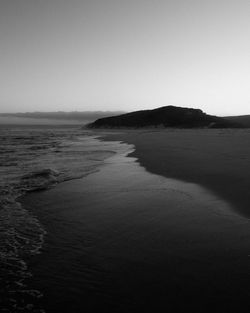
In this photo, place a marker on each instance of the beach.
(215, 159)
(162, 225)
(125, 156)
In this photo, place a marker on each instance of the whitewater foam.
(35, 159)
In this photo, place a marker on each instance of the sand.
(216, 159)
(127, 240)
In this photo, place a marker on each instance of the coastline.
(215, 159)
(66, 155)
(125, 240)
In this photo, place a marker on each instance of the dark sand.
(124, 240)
(216, 159)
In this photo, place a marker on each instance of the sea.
(34, 158)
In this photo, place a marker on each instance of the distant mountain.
(241, 119)
(168, 116)
(84, 116)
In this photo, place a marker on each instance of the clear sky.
(125, 55)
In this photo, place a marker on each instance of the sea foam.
(35, 159)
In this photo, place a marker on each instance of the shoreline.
(215, 159)
(24, 229)
(125, 240)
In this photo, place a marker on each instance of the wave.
(32, 161)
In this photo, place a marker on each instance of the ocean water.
(35, 158)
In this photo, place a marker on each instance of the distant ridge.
(61, 115)
(167, 116)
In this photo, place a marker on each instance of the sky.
(125, 55)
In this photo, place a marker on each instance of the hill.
(168, 116)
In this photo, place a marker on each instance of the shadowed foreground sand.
(215, 159)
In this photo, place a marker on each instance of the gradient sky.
(125, 55)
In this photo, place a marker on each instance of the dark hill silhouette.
(168, 116)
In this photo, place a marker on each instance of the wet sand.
(219, 160)
(125, 240)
